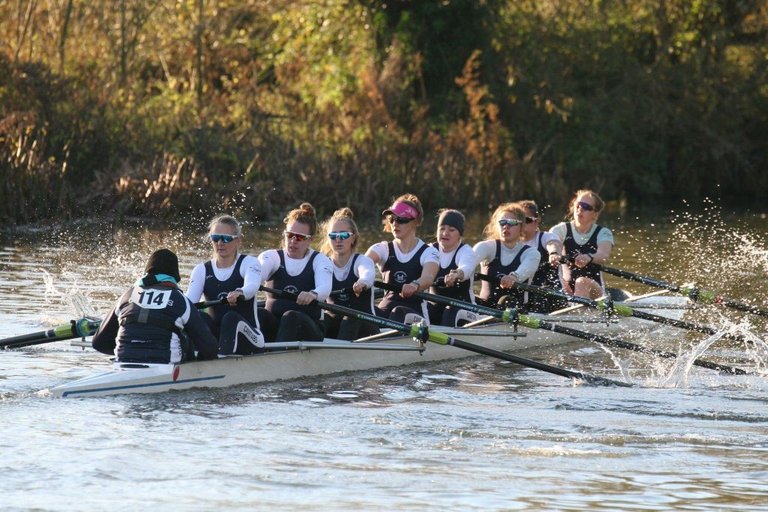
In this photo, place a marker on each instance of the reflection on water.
(477, 434)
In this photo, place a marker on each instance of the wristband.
(554, 254)
(591, 259)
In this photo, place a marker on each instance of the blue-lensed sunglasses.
(341, 235)
(215, 237)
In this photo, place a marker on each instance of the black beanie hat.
(453, 218)
(163, 261)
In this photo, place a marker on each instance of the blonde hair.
(599, 203)
(228, 220)
(305, 214)
(412, 201)
(341, 215)
(491, 230)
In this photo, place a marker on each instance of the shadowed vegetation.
(161, 108)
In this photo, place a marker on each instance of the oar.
(692, 292)
(210, 303)
(421, 332)
(619, 309)
(535, 323)
(74, 329)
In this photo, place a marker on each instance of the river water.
(473, 434)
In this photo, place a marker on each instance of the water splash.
(698, 244)
(751, 355)
(75, 296)
(621, 364)
(752, 254)
(678, 374)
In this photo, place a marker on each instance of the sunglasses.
(299, 237)
(341, 235)
(530, 220)
(400, 220)
(585, 206)
(509, 222)
(215, 238)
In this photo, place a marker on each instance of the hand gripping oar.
(422, 333)
(691, 292)
(74, 329)
(611, 308)
(535, 323)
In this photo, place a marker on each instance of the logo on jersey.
(400, 277)
(291, 289)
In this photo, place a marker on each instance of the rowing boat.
(290, 360)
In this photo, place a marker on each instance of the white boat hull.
(305, 359)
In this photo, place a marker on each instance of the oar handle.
(418, 331)
(210, 303)
(507, 315)
(342, 291)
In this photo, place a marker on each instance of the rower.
(505, 258)
(235, 277)
(154, 322)
(405, 261)
(586, 246)
(353, 276)
(297, 269)
(456, 274)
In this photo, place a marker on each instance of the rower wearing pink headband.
(403, 210)
(406, 261)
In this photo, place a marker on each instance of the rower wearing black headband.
(455, 277)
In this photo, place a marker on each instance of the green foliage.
(155, 107)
